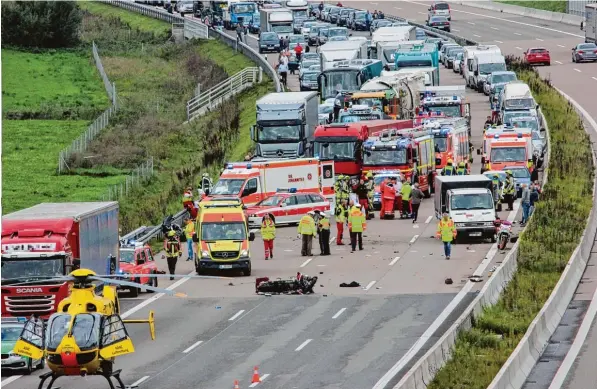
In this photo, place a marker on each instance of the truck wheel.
(41, 364)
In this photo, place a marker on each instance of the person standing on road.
(417, 196)
(307, 230)
(189, 232)
(449, 170)
(173, 252)
(323, 227)
(525, 201)
(533, 198)
(357, 224)
(447, 233)
(370, 183)
(268, 234)
(340, 216)
(509, 190)
(406, 191)
(239, 32)
(461, 171)
(298, 50)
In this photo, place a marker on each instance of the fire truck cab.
(451, 141)
(341, 143)
(447, 100)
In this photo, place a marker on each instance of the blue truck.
(237, 12)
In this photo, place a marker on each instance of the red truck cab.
(137, 258)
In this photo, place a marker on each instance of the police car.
(11, 330)
(287, 206)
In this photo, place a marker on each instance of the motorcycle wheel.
(503, 242)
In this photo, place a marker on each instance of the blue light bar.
(496, 136)
(519, 135)
(230, 166)
(454, 97)
(438, 112)
(249, 166)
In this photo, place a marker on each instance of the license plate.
(270, 46)
(475, 234)
(225, 266)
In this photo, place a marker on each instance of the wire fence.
(139, 176)
(80, 144)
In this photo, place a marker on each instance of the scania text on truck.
(447, 100)
(451, 141)
(347, 76)
(285, 124)
(237, 12)
(469, 202)
(50, 240)
(278, 20)
(254, 181)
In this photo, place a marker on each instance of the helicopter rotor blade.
(163, 276)
(137, 285)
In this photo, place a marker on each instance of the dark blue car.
(269, 41)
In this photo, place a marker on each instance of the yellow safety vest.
(510, 187)
(340, 214)
(356, 220)
(307, 226)
(268, 230)
(189, 230)
(446, 230)
(406, 191)
(324, 223)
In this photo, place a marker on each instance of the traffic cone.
(236, 385)
(256, 379)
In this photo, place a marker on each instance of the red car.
(286, 207)
(137, 259)
(537, 55)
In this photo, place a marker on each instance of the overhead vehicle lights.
(249, 166)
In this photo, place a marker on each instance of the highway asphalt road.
(337, 338)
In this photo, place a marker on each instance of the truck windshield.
(277, 134)
(223, 231)
(385, 157)
(228, 187)
(441, 143)
(243, 8)
(284, 29)
(508, 154)
(32, 267)
(342, 80)
(300, 14)
(448, 110)
(487, 68)
(413, 63)
(358, 118)
(461, 202)
(368, 101)
(335, 151)
(527, 103)
(127, 256)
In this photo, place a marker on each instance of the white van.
(517, 97)
(469, 53)
(483, 65)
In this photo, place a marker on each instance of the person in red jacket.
(388, 198)
(298, 51)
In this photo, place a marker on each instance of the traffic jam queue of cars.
(373, 110)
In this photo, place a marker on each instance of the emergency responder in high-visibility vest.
(370, 184)
(172, 248)
(323, 226)
(405, 192)
(461, 171)
(446, 231)
(509, 190)
(357, 224)
(189, 232)
(530, 165)
(340, 214)
(497, 191)
(449, 170)
(485, 166)
(338, 185)
(307, 230)
(268, 234)
(346, 188)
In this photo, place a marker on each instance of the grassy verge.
(545, 246)
(134, 20)
(553, 6)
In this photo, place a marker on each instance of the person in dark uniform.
(323, 226)
(173, 252)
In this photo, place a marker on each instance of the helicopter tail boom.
(150, 321)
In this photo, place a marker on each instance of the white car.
(457, 60)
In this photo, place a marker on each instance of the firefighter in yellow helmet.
(461, 170)
(449, 169)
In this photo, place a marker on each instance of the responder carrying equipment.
(323, 226)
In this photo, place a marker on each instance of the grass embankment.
(154, 82)
(545, 247)
(63, 92)
(553, 6)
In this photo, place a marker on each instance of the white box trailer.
(591, 23)
(469, 54)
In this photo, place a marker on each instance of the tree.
(41, 24)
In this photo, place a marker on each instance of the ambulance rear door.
(326, 178)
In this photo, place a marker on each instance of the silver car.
(584, 52)
(498, 79)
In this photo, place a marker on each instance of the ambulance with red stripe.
(223, 237)
(254, 181)
(507, 146)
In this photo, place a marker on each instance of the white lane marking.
(369, 285)
(302, 346)
(142, 379)
(558, 62)
(471, 23)
(157, 296)
(455, 30)
(397, 8)
(262, 378)
(339, 313)
(288, 251)
(10, 379)
(577, 70)
(236, 315)
(306, 262)
(413, 239)
(594, 78)
(516, 33)
(410, 354)
(539, 39)
(394, 261)
(428, 219)
(191, 347)
(494, 28)
(519, 48)
(499, 41)
(332, 239)
(415, 226)
(478, 36)
(562, 46)
(421, 13)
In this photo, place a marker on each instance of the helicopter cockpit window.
(57, 329)
(86, 330)
(113, 331)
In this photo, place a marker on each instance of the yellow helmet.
(450, 161)
(369, 174)
(171, 233)
(461, 164)
(509, 172)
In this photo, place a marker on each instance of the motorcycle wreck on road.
(301, 284)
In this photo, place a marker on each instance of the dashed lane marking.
(577, 70)
(303, 345)
(306, 262)
(142, 379)
(394, 261)
(262, 378)
(428, 220)
(236, 315)
(369, 285)
(339, 313)
(414, 239)
(191, 347)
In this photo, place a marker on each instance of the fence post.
(260, 74)
(114, 97)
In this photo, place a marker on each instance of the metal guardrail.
(145, 234)
(216, 95)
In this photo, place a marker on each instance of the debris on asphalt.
(230, 284)
(353, 284)
(449, 281)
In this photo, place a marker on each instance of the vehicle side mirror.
(542, 129)
(537, 106)
(349, 34)
(476, 73)
(438, 161)
(251, 236)
(282, 205)
(76, 263)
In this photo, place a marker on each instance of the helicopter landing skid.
(108, 377)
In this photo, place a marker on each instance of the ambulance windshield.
(508, 154)
(226, 186)
(385, 157)
(223, 231)
(276, 134)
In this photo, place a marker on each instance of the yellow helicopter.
(86, 334)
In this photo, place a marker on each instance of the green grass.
(51, 85)
(223, 55)
(29, 158)
(553, 6)
(545, 246)
(134, 20)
